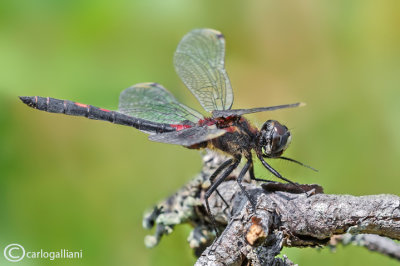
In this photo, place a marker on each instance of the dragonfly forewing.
(237, 112)
(199, 62)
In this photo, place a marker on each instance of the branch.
(284, 216)
(375, 243)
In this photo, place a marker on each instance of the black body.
(77, 109)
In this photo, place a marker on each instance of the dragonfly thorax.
(274, 138)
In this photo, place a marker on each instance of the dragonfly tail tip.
(27, 100)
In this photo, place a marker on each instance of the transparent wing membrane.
(199, 62)
(226, 113)
(189, 136)
(153, 102)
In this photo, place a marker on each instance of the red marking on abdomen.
(81, 105)
(179, 127)
(105, 110)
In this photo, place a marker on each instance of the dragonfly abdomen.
(78, 109)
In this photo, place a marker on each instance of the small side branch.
(372, 242)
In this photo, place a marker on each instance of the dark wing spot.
(220, 36)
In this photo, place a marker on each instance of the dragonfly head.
(274, 138)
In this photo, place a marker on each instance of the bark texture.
(285, 216)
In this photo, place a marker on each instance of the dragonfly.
(200, 63)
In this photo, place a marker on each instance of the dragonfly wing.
(189, 136)
(226, 113)
(199, 62)
(153, 102)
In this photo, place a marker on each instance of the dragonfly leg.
(278, 175)
(219, 169)
(222, 198)
(240, 179)
(253, 177)
(216, 173)
(273, 171)
(295, 161)
(213, 187)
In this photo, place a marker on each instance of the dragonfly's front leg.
(233, 164)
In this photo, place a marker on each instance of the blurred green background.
(76, 184)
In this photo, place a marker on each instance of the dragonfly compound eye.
(275, 138)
